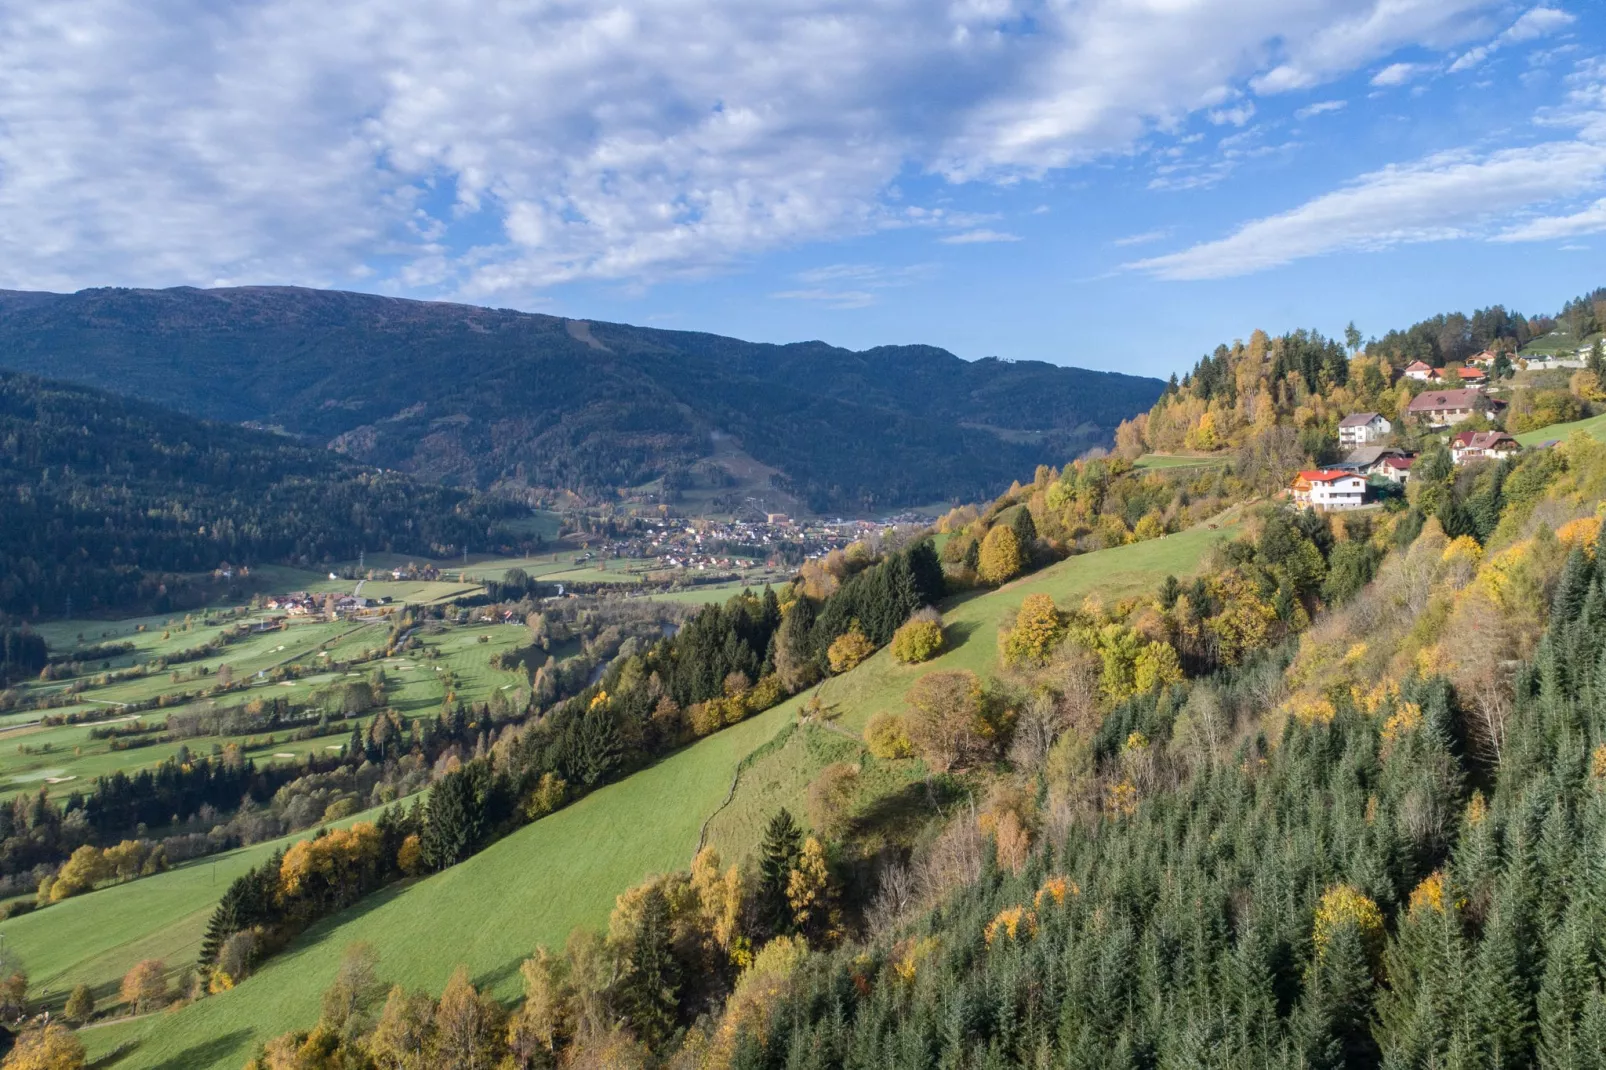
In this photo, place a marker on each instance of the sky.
(1114, 184)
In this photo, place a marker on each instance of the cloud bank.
(495, 149)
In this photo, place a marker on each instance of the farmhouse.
(1419, 371)
(1329, 488)
(1441, 408)
(1476, 445)
(1360, 428)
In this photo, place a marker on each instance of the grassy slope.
(94, 939)
(1594, 425)
(1178, 460)
(563, 871)
(490, 912)
(972, 631)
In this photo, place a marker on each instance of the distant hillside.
(103, 500)
(480, 396)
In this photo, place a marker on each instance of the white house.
(1329, 489)
(1360, 428)
(1395, 469)
(1417, 370)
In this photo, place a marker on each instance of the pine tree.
(782, 847)
(651, 980)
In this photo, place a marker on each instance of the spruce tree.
(651, 980)
(779, 855)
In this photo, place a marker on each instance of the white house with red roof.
(1329, 488)
(1419, 371)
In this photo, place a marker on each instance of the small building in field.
(1442, 408)
(1329, 488)
(1361, 428)
(1419, 371)
(1477, 445)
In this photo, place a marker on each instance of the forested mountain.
(479, 396)
(101, 498)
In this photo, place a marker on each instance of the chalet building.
(1442, 408)
(1478, 445)
(1419, 371)
(1361, 428)
(1329, 488)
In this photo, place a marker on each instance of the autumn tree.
(355, 990)
(946, 722)
(468, 1026)
(50, 1047)
(80, 1005)
(405, 1034)
(919, 638)
(1038, 629)
(1000, 557)
(849, 649)
(831, 798)
(145, 986)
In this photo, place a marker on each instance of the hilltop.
(485, 397)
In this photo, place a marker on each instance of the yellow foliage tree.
(1038, 629)
(886, 737)
(53, 1047)
(1343, 905)
(918, 639)
(1156, 667)
(1000, 559)
(849, 649)
(1152, 526)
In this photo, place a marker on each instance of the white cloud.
(1590, 220)
(844, 299)
(1321, 107)
(1397, 74)
(979, 237)
(1143, 238)
(496, 149)
(1535, 22)
(1446, 196)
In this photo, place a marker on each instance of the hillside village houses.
(1477, 445)
(1419, 371)
(1361, 428)
(1395, 469)
(1442, 408)
(1331, 488)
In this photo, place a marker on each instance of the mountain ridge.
(585, 405)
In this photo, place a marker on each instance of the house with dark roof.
(1477, 445)
(1442, 408)
(1359, 428)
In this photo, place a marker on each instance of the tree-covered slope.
(105, 497)
(476, 395)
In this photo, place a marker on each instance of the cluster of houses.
(1369, 469)
(302, 604)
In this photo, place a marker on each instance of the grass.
(94, 939)
(1594, 425)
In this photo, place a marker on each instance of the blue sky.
(1111, 183)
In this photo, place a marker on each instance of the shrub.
(886, 737)
(919, 639)
(849, 649)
